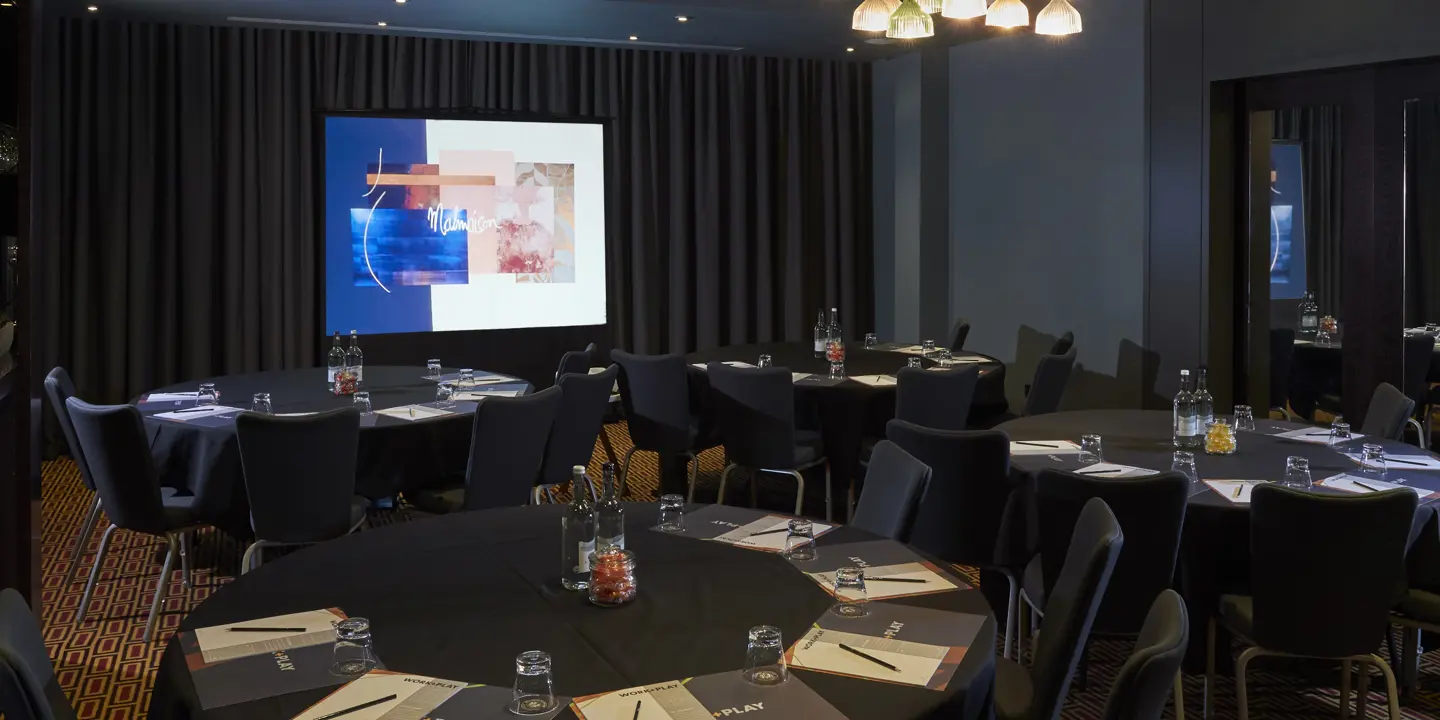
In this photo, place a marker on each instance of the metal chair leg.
(800, 492)
(187, 563)
(1179, 696)
(1362, 691)
(1346, 670)
(724, 475)
(82, 539)
(161, 586)
(1208, 710)
(95, 571)
(605, 443)
(1391, 691)
(1245, 658)
(693, 465)
(1410, 659)
(625, 471)
(252, 555)
(1010, 615)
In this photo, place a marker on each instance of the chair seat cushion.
(439, 502)
(1420, 605)
(1238, 614)
(1014, 690)
(178, 510)
(1033, 583)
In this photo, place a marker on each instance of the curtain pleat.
(177, 201)
(1422, 211)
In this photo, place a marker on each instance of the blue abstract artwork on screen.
(392, 247)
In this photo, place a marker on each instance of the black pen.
(1318, 434)
(895, 579)
(851, 650)
(361, 706)
(1363, 485)
(199, 409)
(637, 711)
(267, 629)
(1035, 444)
(1099, 472)
(1404, 462)
(770, 532)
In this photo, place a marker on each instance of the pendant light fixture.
(963, 9)
(1058, 18)
(1008, 14)
(873, 15)
(910, 22)
(931, 6)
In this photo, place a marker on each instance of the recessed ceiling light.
(632, 37)
(7, 3)
(400, 2)
(682, 18)
(849, 49)
(92, 8)
(381, 23)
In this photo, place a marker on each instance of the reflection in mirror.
(1422, 251)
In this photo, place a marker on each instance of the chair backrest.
(960, 520)
(59, 388)
(755, 410)
(894, 487)
(1282, 352)
(1389, 409)
(299, 473)
(1152, 509)
(938, 399)
(29, 689)
(1051, 377)
(575, 361)
(1071, 606)
(117, 448)
(584, 401)
(655, 393)
(1143, 684)
(1418, 351)
(1063, 343)
(507, 446)
(1298, 539)
(958, 334)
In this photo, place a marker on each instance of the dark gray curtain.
(1422, 211)
(177, 208)
(1318, 128)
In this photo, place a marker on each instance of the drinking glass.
(466, 378)
(353, 654)
(1297, 473)
(672, 513)
(362, 402)
(1372, 461)
(261, 404)
(1183, 462)
(1432, 329)
(1340, 433)
(800, 541)
(1090, 450)
(914, 362)
(444, 395)
(850, 592)
(943, 357)
(928, 347)
(766, 361)
(871, 340)
(1244, 417)
(432, 368)
(534, 687)
(765, 657)
(208, 395)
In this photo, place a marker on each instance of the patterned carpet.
(108, 672)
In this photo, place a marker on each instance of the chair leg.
(87, 529)
(800, 492)
(724, 475)
(829, 517)
(187, 563)
(1410, 659)
(252, 554)
(1362, 691)
(1346, 669)
(1391, 691)
(605, 443)
(161, 586)
(1010, 610)
(693, 465)
(1208, 710)
(1179, 696)
(1245, 658)
(625, 471)
(95, 571)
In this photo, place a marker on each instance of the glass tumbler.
(1183, 462)
(800, 541)
(261, 404)
(1297, 473)
(444, 395)
(850, 592)
(362, 402)
(534, 692)
(1244, 417)
(766, 361)
(928, 347)
(466, 378)
(914, 362)
(1340, 433)
(432, 368)
(353, 653)
(765, 657)
(672, 513)
(871, 340)
(1372, 461)
(1091, 450)
(208, 395)
(944, 357)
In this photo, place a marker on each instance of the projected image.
(446, 223)
(1287, 220)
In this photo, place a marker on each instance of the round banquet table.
(459, 596)
(849, 412)
(1215, 552)
(395, 455)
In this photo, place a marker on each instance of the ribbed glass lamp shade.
(963, 9)
(910, 22)
(1008, 14)
(873, 15)
(931, 6)
(1058, 18)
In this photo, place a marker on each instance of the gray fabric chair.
(938, 399)
(1052, 375)
(59, 388)
(1153, 668)
(117, 447)
(895, 486)
(1063, 343)
(1039, 693)
(1388, 413)
(661, 415)
(29, 689)
(579, 420)
(299, 478)
(958, 334)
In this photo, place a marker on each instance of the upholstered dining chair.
(59, 388)
(895, 484)
(958, 335)
(1296, 608)
(1052, 376)
(299, 478)
(1145, 680)
(937, 399)
(1039, 692)
(116, 446)
(579, 420)
(755, 409)
(29, 689)
(576, 361)
(1390, 410)
(1063, 344)
(507, 446)
(661, 415)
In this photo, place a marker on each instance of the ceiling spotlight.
(93, 8)
(399, 2)
(849, 49)
(7, 3)
(632, 37)
(381, 23)
(682, 18)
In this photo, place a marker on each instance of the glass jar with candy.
(347, 380)
(612, 577)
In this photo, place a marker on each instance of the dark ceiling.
(792, 28)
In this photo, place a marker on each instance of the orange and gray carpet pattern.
(108, 672)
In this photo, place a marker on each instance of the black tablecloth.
(1215, 554)
(395, 454)
(851, 411)
(458, 597)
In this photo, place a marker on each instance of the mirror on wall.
(1421, 226)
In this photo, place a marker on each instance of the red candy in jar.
(612, 577)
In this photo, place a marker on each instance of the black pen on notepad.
(1099, 472)
(895, 579)
(1035, 444)
(1363, 485)
(207, 408)
(1403, 462)
(637, 711)
(267, 629)
(871, 658)
(770, 532)
(355, 708)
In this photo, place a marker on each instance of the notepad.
(1236, 491)
(1364, 485)
(169, 397)
(1401, 462)
(1111, 470)
(875, 380)
(913, 663)
(194, 413)
(414, 696)
(312, 627)
(1043, 447)
(747, 536)
(482, 394)
(413, 412)
(1315, 436)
